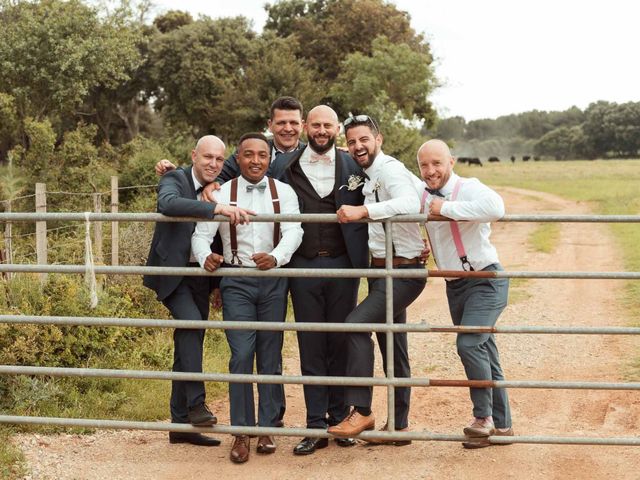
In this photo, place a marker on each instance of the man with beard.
(325, 179)
(390, 189)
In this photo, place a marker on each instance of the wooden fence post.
(114, 225)
(97, 229)
(41, 229)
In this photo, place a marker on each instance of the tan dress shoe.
(482, 442)
(480, 427)
(353, 425)
(382, 441)
(266, 444)
(240, 449)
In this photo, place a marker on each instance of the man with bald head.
(464, 245)
(187, 298)
(324, 178)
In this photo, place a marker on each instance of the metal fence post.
(97, 228)
(388, 263)
(115, 237)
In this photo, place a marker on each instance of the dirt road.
(583, 247)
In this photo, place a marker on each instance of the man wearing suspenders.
(472, 301)
(255, 245)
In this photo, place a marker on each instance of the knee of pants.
(468, 343)
(241, 362)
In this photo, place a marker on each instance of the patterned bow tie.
(260, 187)
(320, 157)
(434, 191)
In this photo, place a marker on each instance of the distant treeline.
(603, 130)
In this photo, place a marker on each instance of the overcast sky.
(496, 57)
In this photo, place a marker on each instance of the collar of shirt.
(275, 151)
(373, 172)
(306, 156)
(196, 183)
(447, 190)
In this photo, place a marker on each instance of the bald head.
(207, 158)
(435, 162)
(322, 128)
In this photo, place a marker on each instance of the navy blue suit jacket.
(171, 244)
(355, 234)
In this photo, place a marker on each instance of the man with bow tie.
(187, 298)
(472, 301)
(324, 178)
(263, 246)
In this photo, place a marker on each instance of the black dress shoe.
(193, 439)
(201, 416)
(345, 442)
(308, 445)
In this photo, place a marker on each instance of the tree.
(452, 128)
(329, 30)
(394, 72)
(197, 66)
(172, 20)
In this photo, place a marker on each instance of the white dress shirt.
(254, 237)
(197, 185)
(477, 204)
(399, 193)
(321, 174)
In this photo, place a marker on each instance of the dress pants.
(479, 301)
(255, 299)
(323, 300)
(360, 358)
(189, 301)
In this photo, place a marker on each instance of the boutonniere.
(376, 187)
(353, 182)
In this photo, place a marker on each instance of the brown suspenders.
(232, 228)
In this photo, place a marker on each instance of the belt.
(380, 262)
(324, 253)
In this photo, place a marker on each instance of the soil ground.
(583, 247)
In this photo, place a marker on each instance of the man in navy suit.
(324, 178)
(187, 297)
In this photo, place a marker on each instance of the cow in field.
(526, 158)
(462, 159)
(474, 161)
(493, 159)
(536, 159)
(513, 159)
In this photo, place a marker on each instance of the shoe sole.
(208, 423)
(350, 434)
(265, 450)
(473, 433)
(310, 452)
(393, 443)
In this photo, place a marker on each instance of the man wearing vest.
(324, 179)
(472, 301)
(255, 245)
(187, 298)
(390, 189)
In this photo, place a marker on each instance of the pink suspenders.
(455, 230)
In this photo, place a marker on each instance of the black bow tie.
(434, 191)
(261, 187)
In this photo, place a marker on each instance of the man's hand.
(435, 206)
(426, 251)
(213, 262)
(216, 299)
(264, 261)
(207, 192)
(351, 213)
(163, 166)
(237, 215)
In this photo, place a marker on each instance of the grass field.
(610, 187)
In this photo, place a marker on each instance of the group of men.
(283, 175)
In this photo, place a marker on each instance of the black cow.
(462, 159)
(526, 158)
(494, 159)
(513, 159)
(536, 159)
(474, 161)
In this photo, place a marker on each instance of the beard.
(322, 148)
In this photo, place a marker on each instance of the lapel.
(192, 187)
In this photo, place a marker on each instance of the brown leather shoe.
(397, 443)
(266, 444)
(481, 442)
(240, 449)
(354, 424)
(480, 427)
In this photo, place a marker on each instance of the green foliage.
(53, 52)
(137, 168)
(172, 20)
(563, 143)
(8, 123)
